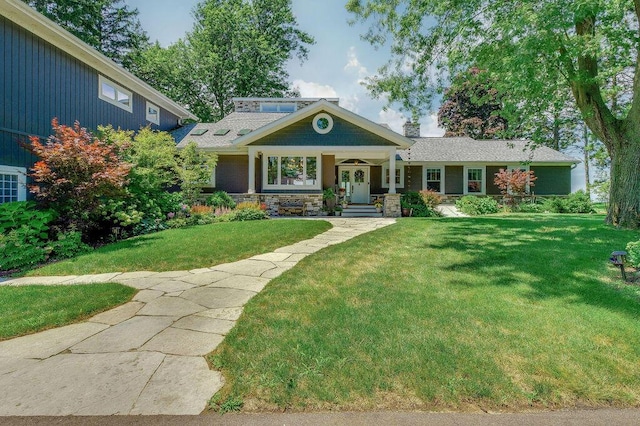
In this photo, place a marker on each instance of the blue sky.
(337, 62)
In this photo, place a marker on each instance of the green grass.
(189, 248)
(28, 309)
(497, 313)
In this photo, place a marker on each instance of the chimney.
(411, 130)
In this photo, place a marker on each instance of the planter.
(378, 209)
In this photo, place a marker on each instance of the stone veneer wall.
(312, 202)
(392, 205)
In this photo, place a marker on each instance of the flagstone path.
(146, 356)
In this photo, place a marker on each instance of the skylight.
(243, 132)
(221, 132)
(199, 132)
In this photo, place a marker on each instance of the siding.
(376, 180)
(492, 189)
(412, 179)
(39, 81)
(552, 180)
(342, 134)
(454, 180)
(232, 173)
(329, 171)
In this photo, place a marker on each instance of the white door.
(355, 179)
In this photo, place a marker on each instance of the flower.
(170, 215)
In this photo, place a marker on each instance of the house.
(46, 72)
(283, 151)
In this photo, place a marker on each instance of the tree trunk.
(624, 196)
(587, 159)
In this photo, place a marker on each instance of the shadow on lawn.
(556, 257)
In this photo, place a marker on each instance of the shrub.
(69, 244)
(245, 213)
(414, 201)
(430, 198)
(555, 205)
(579, 202)
(24, 213)
(513, 184)
(529, 208)
(474, 206)
(221, 199)
(76, 173)
(201, 210)
(633, 250)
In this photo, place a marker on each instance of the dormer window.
(116, 95)
(277, 107)
(153, 113)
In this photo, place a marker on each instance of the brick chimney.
(411, 130)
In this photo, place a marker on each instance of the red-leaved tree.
(514, 184)
(76, 173)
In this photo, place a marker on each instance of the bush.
(69, 244)
(578, 202)
(221, 199)
(414, 201)
(430, 198)
(633, 250)
(529, 208)
(244, 214)
(474, 206)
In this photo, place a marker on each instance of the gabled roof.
(466, 150)
(29, 19)
(324, 106)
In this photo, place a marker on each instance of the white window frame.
(21, 173)
(150, 117)
(278, 106)
(425, 181)
(265, 171)
(483, 182)
(117, 89)
(385, 182)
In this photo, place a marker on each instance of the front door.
(355, 181)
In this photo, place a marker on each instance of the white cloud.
(354, 64)
(393, 118)
(310, 89)
(429, 126)
(350, 102)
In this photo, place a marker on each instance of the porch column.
(252, 171)
(392, 171)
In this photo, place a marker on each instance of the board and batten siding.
(552, 180)
(39, 81)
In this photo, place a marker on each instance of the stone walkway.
(450, 210)
(146, 356)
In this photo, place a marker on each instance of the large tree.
(535, 50)
(471, 107)
(107, 25)
(237, 48)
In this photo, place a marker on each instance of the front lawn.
(189, 248)
(492, 313)
(28, 309)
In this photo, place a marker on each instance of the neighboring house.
(46, 72)
(277, 151)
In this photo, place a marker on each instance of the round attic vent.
(322, 123)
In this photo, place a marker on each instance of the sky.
(337, 64)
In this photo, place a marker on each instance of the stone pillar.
(392, 205)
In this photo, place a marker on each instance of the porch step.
(360, 210)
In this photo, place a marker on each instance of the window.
(322, 123)
(277, 107)
(153, 113)
(474, 181)
(12, 184)
(433, 179)
(291, 172)
(399, 176)
(110, 92)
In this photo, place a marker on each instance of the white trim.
(399, 166)
(152, 118)
(316, 126)
(425, 183)
(483, 183)
(34, 22)
(21, 173)
(117, 91)
(212, 181)
(271, 187)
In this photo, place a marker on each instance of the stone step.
(362, 210)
